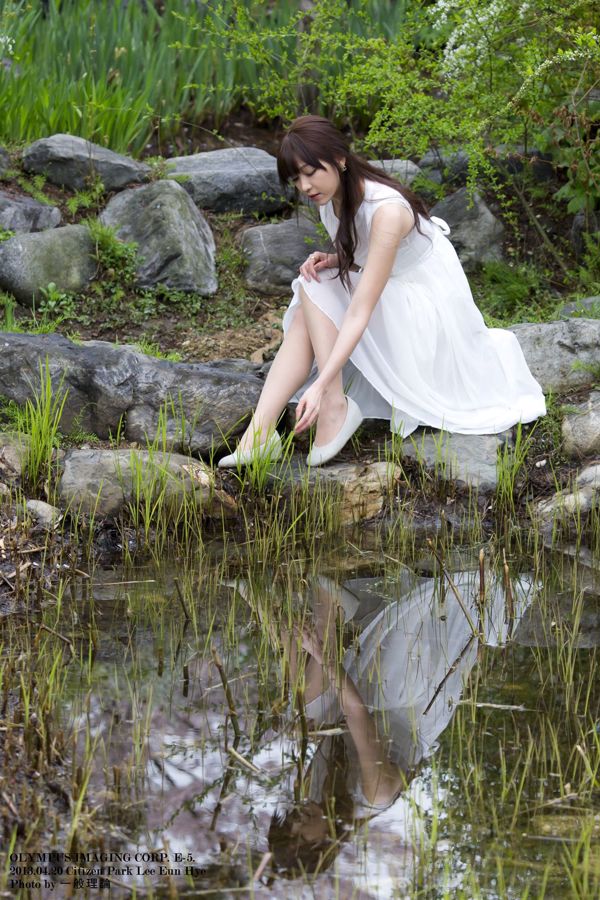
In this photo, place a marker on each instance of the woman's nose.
(304, 183)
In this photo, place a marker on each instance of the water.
(457, 757)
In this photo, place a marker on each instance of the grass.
(123, 76)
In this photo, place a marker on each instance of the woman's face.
(320, 185)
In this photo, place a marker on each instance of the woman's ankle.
(255, 435)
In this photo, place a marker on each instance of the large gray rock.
(241, 179)
(30, 262)
(24, 214)
(468, 460)
(552, 348)
(449, 166)
(276, 251)
(581, 428)
(175, 244)
(70, 161)
(403, 169)
(4, 161)
(109, 384)
(476, 232)
(102, 482)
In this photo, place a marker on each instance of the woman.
(389, 314)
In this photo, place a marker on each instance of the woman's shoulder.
(375, 193)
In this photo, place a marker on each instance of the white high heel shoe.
(271, 448)
(320, 455)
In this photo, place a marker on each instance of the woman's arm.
(391, 223)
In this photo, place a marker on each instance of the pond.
(372, 721)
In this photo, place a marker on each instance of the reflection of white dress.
(426, 356)
(412, 659)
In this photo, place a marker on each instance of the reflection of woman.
(395, 692)
(391, 309)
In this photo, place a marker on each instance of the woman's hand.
(308, 407)
(316, 262)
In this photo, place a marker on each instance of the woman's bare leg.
(289, 370)
(323, 335)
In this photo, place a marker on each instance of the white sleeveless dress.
(426, 356)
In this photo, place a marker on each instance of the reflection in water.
(395, 692)
(346, 751)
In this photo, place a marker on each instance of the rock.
(24, 214)
(46, 515)
(587, 308)
(101, 482)
(276, 251)
(109, 384)
(446, 166)
(585, 225)
(469, 460)
(13, 455)
(581, 428)
(404, 169)
(70, 161)
(552, 348)
(476, 232)
(4, 490)
(175, 244)
(4, 162)
(30, 262)
(545, 624)
(242, 179)
(358, 490)
(515, 159)
(585, 493)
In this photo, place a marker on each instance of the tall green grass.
(118, 73)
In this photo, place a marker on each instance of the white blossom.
(7, 45)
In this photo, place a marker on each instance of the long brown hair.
(314, 140)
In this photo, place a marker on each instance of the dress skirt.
(426, 356)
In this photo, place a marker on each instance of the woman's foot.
(320, 454)
(332, 416)
(269, 448)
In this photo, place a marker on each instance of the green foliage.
(507, 294)
(593, 369)
(117, 259)
(510, 463)
(586, 278)
(56, 304)
(151, 348)
(34, 325)
(5, 234)
(40, 422)
(88, 199)
(34, 186)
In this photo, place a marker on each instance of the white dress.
(426, 356)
